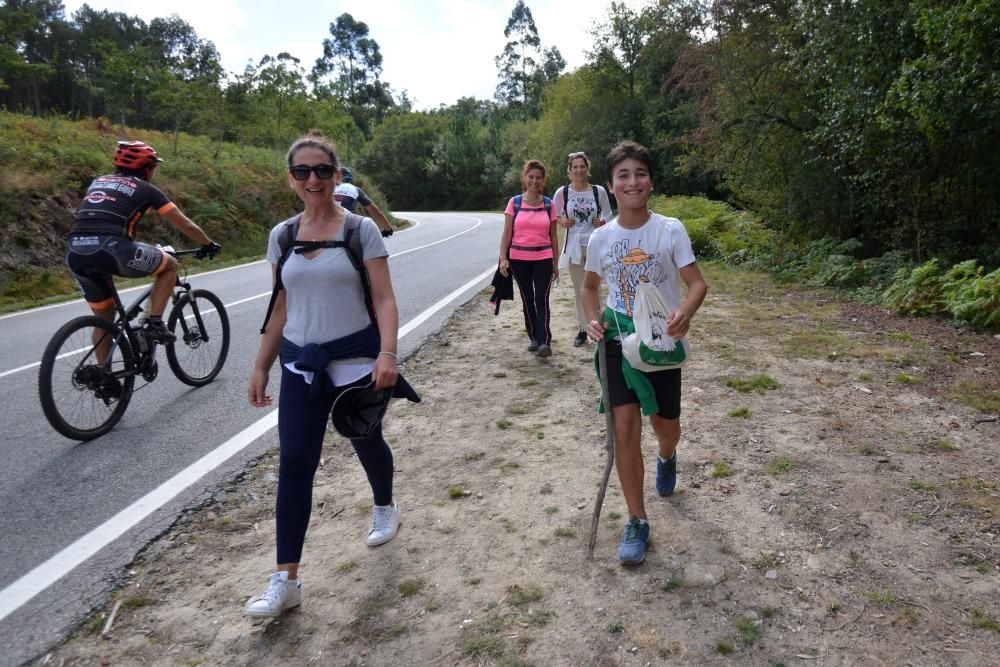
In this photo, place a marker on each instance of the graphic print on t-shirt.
(625, 268)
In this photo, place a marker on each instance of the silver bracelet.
(391, 354)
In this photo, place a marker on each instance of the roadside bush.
(916, 291)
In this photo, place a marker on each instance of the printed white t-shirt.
(654, 253)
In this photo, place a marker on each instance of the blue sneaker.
(632, 547)
(666, 475)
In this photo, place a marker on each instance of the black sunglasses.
(324, 172)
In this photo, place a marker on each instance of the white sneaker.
(385, 523)
(281, 594)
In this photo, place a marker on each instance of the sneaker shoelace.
(380, 519)
(632, 529)
(275, 591)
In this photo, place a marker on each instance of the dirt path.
(845, 509)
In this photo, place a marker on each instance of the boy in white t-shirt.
(639, 246)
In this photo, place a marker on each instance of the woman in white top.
(582, 208)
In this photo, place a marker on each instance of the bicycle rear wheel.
(202, 330)
(81, 397)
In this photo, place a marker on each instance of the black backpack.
(351, 245)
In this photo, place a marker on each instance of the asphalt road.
(64, 504)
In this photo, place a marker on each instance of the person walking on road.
(529, 250)
(329, 342)
(582, 208)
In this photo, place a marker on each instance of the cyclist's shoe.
(282, 593)
(110, 388)
(635, 538)
(157, 330)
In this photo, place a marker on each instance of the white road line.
(18, 593)
(228, 305)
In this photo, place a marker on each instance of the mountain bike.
(90, 367)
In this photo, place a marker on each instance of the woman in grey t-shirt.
(322, 309)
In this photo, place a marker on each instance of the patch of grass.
(909, 616)
(615, 628)
(540, 617)
(671, 584)
(759, 383)
(347, 566)
(749, 630)
(815, 344)
(531, 382)
(565, 532)
(474, 581)
(765, 560)
(981, 619)
(946, 445)
(867, 449)
(767, 612)
(551, 509)
(721, 469)
(370, 611)
(865, 377)
(509, 466)
(724, 647)
(781, 465)
(742, 411)
(410, 587)
(915, 517)
(503, 424)
(854, 560)
(456, 492)
(519, 596)
(614, 516)
(903, 378)
(926, 487)
(137, 602)
(518, 409)
(499, 375)
(883, 597)
(978, 394)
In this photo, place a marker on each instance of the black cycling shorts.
(666, 385)
(94, 259)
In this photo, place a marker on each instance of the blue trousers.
(302, 424)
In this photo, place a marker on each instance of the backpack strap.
(547, 203)
(597, 200)
(351, 244)
(286, 238)
(565, 201)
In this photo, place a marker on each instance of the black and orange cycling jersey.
(115, 203)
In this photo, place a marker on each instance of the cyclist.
(348, 195)
(102, 244)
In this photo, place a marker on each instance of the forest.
(859, 136)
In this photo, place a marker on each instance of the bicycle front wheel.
(201, 325)
(82, 396)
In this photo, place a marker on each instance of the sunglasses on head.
(324, 172)
(573, 156)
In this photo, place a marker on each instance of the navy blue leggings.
(534, 278)
(302, 424)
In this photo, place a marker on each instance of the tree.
(349, 69)
(28, 50)
(524, 68)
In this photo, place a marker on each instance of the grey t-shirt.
(323, 295)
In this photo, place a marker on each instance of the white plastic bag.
(650, 348)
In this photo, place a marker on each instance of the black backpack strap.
(597, 201)
(286, 239)
(547, 203)
(565, 201)
(355, 252)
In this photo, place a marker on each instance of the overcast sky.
(436, 50)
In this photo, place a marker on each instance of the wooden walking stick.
(609, 443)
